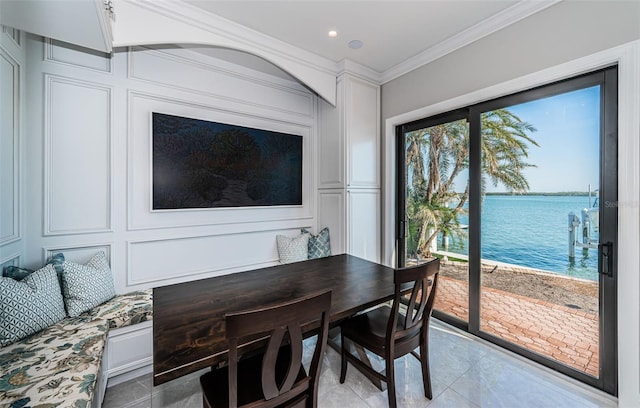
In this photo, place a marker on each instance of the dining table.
(189, 318)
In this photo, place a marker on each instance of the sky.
(568, 128)
(567, 158)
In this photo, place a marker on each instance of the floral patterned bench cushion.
(58, 366)
(124, 310)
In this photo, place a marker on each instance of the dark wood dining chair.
(390, 333)
(275, 376)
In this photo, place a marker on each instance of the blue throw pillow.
(15, 272)
(319, 245)
(56, 261)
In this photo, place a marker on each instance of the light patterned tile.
(465, 374)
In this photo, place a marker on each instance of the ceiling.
(393, 33)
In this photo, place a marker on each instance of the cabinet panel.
(362, 133)
(331, 213)
(129, 348)
(364, 224)
(331, 146)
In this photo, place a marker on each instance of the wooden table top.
(188, 318)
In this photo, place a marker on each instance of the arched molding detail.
(167, 22)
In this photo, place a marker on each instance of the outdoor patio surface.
(567, 335)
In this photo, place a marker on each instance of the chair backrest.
(417, 284)
(282, 323)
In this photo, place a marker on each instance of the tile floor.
(466, 372)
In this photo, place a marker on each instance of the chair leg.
(391, 381)
(426, 374)
(343, 359)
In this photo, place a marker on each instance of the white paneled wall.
(77, 143)
(12, 60)
(349, 170)
(88, 161)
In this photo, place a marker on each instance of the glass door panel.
(540, 227)
(436, 194)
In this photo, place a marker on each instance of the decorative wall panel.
(79, 254)
(13, 260)
(14, 34)
(9, 152)
(65, 53)
(166, 261)
(77, 156)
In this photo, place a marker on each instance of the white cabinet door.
(363, 224)
(362, 130)
(331, 214)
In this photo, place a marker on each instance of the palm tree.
(438, 154)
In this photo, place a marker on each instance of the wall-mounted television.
(203, 164)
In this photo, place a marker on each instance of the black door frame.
(607, 78)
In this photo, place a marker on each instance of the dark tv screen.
(203, 164)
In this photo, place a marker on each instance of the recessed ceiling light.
(332, 33)
(355, 44)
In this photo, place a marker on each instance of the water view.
(532, 231)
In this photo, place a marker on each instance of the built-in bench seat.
(62, 365)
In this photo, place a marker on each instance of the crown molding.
(359, 70)
(260, 44)
(505, 18)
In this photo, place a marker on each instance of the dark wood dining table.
(188, 318)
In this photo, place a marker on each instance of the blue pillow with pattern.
(15, 272)
(18, 273)
(29, 305)
(56, 260)
(319, 245)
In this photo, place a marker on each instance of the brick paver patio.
(567, 335)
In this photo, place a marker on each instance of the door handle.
(606, 258)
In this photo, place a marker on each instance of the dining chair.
(273, 376)
(390, 333)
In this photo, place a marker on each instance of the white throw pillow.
(293, 249)
(86, 286)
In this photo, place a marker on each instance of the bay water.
(532, 231)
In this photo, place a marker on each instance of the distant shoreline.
(563, 193)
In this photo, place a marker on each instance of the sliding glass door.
(435, 191)
(517, 197)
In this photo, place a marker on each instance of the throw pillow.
(29, 305)
(56, 260)
(86, 286)
(319, 245)
(293, 249)
(15, 272)
(18, 273)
